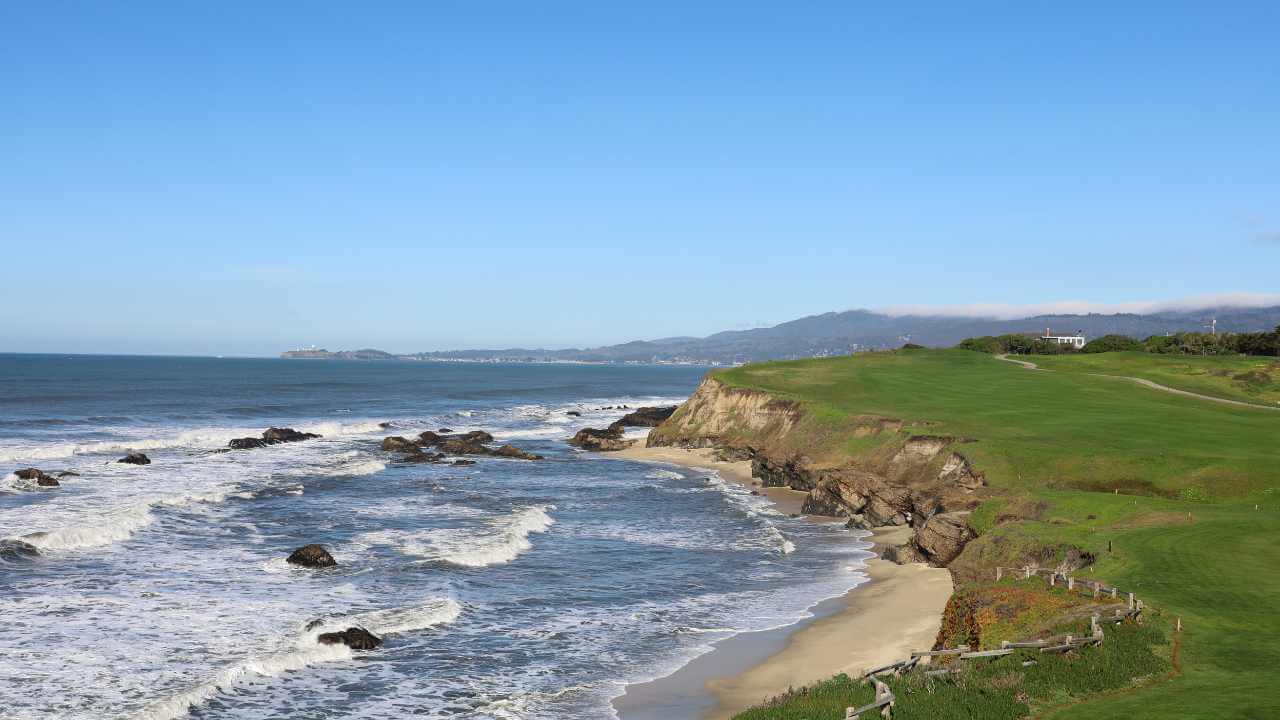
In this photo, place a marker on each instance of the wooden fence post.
(1026, 573)
(1130, 601)
(1071, 583)
(999, 573)
(1179, 627)
(882, 691)
(1097, 587)
(1053, 579)
(1114, 591)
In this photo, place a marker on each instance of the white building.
(1076, 340)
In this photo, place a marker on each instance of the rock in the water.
(356, 638)
(17, 550)
(647, 416)
(39, 476)
(511, 451)
(68, 473)
(573, 413)
(283, 435)
(395, 443)
(463, 463)
(312, 556)
(460, 446)
(421, 457)
(444, 431)
(943, 537)
(135, 459)
(271, 436)
(428, 438)
(476, 436)
(605, 440)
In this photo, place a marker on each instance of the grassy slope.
(1048, 437)
(1249, 379)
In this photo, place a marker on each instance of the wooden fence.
(885, 699)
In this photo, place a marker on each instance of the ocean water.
(507, 589)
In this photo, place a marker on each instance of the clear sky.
(242, 178)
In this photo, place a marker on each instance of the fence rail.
(885, 698)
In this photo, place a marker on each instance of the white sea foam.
(114, 525)
(664, 475)
(363, 467)
(303, 650)
(499, 540)
(201, 438)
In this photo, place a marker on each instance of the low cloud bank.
(1000, 311)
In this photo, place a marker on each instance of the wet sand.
(897, 611)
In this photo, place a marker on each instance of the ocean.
(506, 589)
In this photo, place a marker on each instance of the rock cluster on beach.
(447, 443)
(271, 436)
(313, 555)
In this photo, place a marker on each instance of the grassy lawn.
(1183, 531)
(1042, 429)
(1249, 379)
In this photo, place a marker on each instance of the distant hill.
(846, 332)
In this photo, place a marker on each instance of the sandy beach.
(897, 611)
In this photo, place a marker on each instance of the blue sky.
(231, 178)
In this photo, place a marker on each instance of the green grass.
(1195, 530)
(998, 688)
(1248, 379)
(1042, 429)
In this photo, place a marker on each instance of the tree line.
(1185, 343)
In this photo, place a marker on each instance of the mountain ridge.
(841, 333)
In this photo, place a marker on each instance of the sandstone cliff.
(873, 470)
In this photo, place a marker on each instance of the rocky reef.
(271, 436)
(448, 443)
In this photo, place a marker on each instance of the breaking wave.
(115, 525)
(304, 650)
(499, 542)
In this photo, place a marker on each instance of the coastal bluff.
(900, 476)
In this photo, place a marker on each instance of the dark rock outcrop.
(395, 443)
(428, 438)
(511, 451)
(313, 555)
(789, 472)
(470, 443)
(605, 440)
(463, 463)
(271, 436)
(647, 416)
(356, 638)
(943, 537)
(421, 457)
(135, 459)
(573, 413)
(17, 550)
(38, 476)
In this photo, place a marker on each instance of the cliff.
(873, 470)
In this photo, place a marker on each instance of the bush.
(1111, 343)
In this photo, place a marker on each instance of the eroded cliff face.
(902, 478)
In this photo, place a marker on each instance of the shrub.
(1111, 343)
